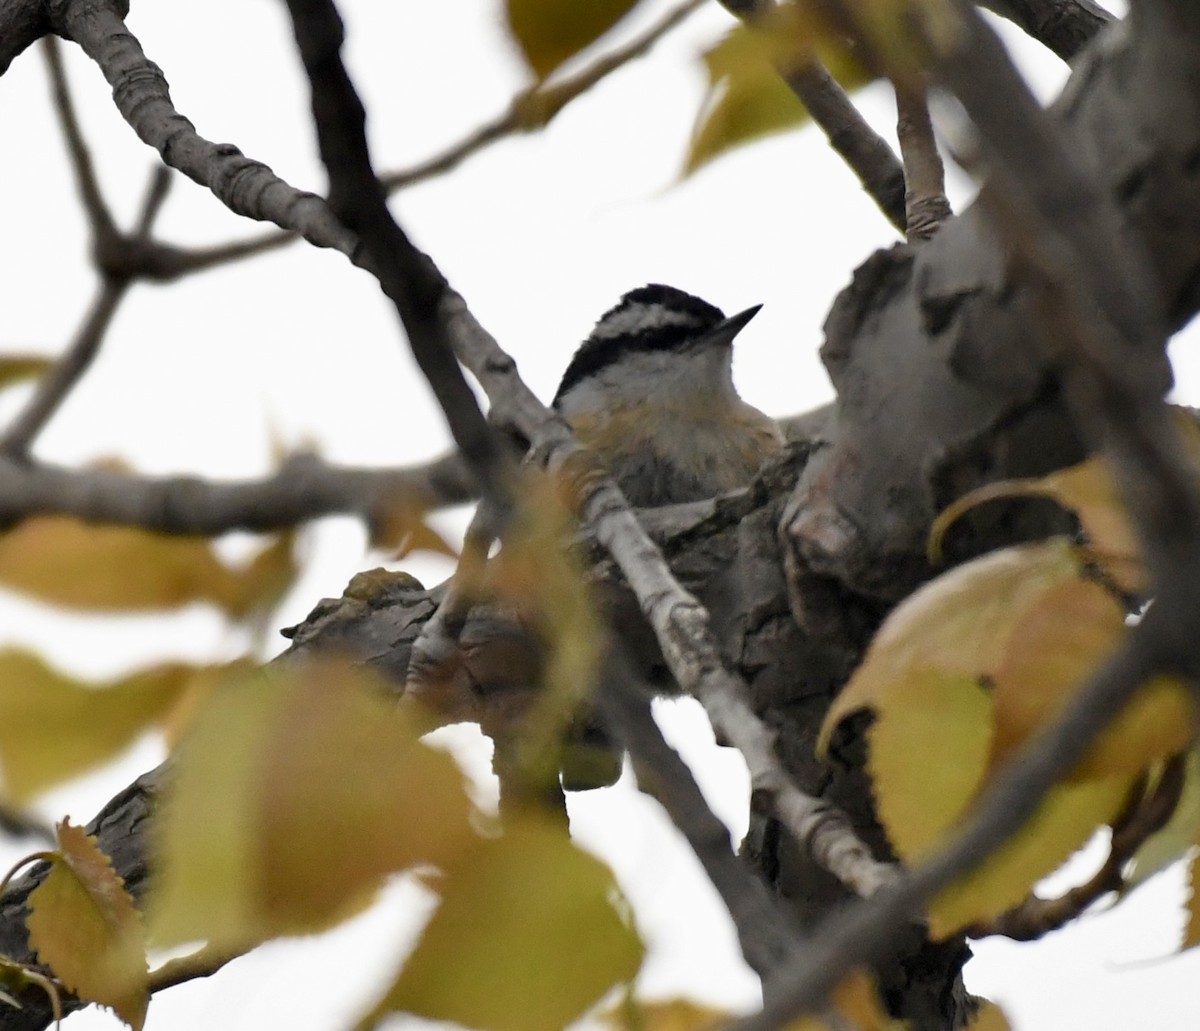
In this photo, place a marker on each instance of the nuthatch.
(651, 392)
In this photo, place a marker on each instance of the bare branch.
(304, 488)
(408, 277)
(1064, 26)
(99, 215)
(868, 154)
(534, 108)
(55, 385)
(925, 203)
(140, 91)
(763, 932)
(203, 962)
(22, 23)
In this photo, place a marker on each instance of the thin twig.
(534, 108)
(203, 962)
(54, 386)
(925, 203)
(868, 155)
(99, 215)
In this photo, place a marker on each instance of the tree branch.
(763, 932)
(925, 203)
(245, 186)
(1093, 289)
(868, 154)
(1064, 26)
(304, 488)
(432, 313)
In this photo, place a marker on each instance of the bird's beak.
(724, 332)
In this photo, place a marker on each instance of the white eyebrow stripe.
(638, 318)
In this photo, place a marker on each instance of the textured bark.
(937, 393)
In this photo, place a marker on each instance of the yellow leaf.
(53, 727)
(538, 575)
(631, 1014)
(526, 938)
(345, 767)
(16, 368)
(1059, 642)
(856, 1000)
(1089, 491)
(401, 529)
(84, 926)
(747, 97)
(945, 720)
(550, 32)
(1191, 932)
(1063, 823)
(989, 1018)
(64, 561)
(958, 624)
(293, 794)
(263, 582)
(1177, 835)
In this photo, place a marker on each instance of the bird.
(651, 392)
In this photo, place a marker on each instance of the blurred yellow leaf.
(262, 583)
(550, 32)
(989, 1018)
(293, 794)
(16, 368)
(1191, 932)
(1060, 641)
(84, 926)
(1068, 816)
(1180, 833)
(538, 575)
(53, 727)
(747, 97)
(400, 529)
(856, 1000)
(958, 624)
(632, 1014)
(945, 720)
(64, 561)
(529, 934)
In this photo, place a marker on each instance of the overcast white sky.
(541, 234)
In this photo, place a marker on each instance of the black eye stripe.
(651, 318)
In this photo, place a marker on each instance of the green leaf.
(84, 926)
(527, 938)
(550, 32)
